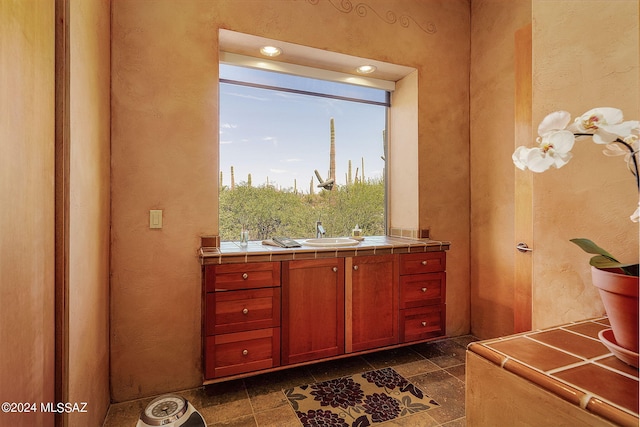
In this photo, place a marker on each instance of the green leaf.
(591, 248)
(604, 259)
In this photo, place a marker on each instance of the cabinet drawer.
(241, 352)
(422, 289)
(237, 311)
(426, 262)
(228, 277)
(422, 322)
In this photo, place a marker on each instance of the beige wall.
(493, 25)
(590, 197)
(89, 211)
(27, 208)
(585, 55)
(164, 154)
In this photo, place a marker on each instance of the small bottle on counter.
(244, 237)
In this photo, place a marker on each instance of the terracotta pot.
(619, 294)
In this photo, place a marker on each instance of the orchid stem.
(633, 158)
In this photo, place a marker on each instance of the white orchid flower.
(555, 144)
(635, 217)
(605, 124)
(556, 139)
(617, 150)
(558, 120)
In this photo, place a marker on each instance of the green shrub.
(268, 212)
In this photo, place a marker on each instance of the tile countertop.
(255, 251)
(571, 362)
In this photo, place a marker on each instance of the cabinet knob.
(424, 263)
(245, 311)
(335, 269)
(423, 289)
(245, 276)
(245, 352)
(424, 323)
(355, 267)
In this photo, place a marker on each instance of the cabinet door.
(372, 302)
(312, 309)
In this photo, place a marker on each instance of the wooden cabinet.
(371, 302)
(312, 309)
(241, 318)
(422, 296)
(261, 316)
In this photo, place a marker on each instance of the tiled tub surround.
(255, 251)
(558, 376)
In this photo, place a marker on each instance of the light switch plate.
(155, 219)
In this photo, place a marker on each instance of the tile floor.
(437, 368)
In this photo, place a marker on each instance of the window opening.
(294, 150)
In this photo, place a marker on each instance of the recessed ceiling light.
(366, 69)
(270, 50)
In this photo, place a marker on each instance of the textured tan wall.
(585, 55)
(26, 208)
(164, 154)
(493, 25)
(590, 197)
(89, 215)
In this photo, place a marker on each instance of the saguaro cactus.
(332, 153)
(233, 179)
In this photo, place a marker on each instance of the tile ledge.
(586, 400)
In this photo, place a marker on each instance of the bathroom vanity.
(267, 308)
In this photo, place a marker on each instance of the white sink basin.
(330, 242)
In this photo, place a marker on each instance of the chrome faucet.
(319, 230)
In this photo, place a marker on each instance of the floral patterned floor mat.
(358, 400)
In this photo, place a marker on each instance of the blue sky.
(285, 136)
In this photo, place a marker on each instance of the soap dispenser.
(356, 233)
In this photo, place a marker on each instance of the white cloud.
(271, 139)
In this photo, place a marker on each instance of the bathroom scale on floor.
(170, 410)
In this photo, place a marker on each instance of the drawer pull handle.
(245, 352)
(245, 311)
(245, 276)
(423, 289)
(355, 267)
(424, 323)
(335, 269)
(424, 262)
